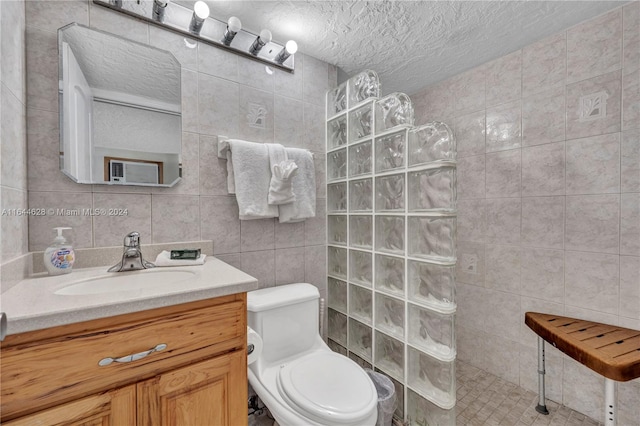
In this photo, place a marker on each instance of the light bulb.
(289, 49)
(260, 42)
(233, 26)
(201, 10)
(292, 47)
(265, 36)
(200, 13)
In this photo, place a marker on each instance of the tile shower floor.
(484, 399)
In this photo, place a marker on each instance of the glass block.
(337, 262)
(337, 326)
(360, 303)
(432, 378)
(361, 195)
(432, 284)
(337, 197)
(361, 231)
(336, 347)
(389, 355)
(432, 331)
(431, 142)
(360, 267)
(360, 339)
(399, 388)
(390, 193)
(393, 110)
(390, 315)
(421, 411)
(363, 86)
(337, 229)
(390, 151)
(337, 164)
(337, 132)
(337, 294)
(360, 361)
(390, 274)
(360, 159)
(432, 237)
(337, 100)
(390, 234)
(360, 123)
(432, 189)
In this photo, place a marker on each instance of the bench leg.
(610, 402)
(542, 405)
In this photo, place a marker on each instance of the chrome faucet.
(132, 256)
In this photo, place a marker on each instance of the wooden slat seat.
(612, 351)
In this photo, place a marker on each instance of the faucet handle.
(132, 240)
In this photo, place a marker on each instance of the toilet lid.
(328, 387)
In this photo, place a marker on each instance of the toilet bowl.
(296, 375)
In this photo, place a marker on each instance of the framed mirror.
(120, 110)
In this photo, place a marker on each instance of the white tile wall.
(217, 90)
(548, 202)
(13, 140)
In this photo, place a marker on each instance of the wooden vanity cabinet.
(53, 376)
(111, 408)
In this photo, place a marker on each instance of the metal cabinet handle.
(3, 326)
(132, 357)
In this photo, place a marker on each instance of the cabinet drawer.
(40, 374)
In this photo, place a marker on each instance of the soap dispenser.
(59, 256)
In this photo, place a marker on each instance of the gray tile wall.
(13, 143)
(549, 202)
(217, 87)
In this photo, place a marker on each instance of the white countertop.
(33, 303)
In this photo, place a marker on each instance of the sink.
(126, 281)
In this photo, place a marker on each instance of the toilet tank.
(286, 317)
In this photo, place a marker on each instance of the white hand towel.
(282, 171)
(304, 188)
(250, 163)
(164, 259)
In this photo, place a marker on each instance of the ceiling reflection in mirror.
(120, 110)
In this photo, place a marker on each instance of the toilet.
(296, 375)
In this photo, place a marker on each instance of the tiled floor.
(484, 399)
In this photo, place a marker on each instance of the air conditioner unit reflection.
(132, 172)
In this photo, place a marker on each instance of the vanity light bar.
(180, 19)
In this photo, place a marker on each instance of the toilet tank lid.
(274, 297)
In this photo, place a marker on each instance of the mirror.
(120, 110)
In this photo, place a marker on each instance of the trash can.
(386, 397)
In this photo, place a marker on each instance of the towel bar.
(611, 351)
(223, 146)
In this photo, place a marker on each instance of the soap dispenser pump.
(59, 256)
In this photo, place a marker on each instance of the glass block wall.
(391, 213)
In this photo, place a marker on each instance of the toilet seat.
(328, 388)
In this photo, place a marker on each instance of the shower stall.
(391, 227)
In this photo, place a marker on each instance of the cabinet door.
(113, 408)
(211, 392)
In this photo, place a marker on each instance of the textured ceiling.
(410, 44)
(119, 65)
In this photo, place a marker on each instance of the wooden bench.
(611, 351)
